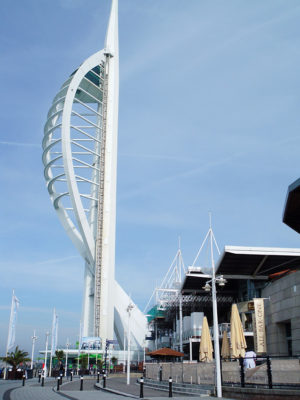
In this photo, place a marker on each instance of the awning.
(256, 262)
(291, 212)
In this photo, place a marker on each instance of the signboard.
(259, 331)
(91, 343)
(111, 341)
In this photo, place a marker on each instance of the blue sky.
(209, 121)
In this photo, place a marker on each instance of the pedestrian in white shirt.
(249, 359)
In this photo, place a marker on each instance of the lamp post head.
(206, 287)
(221, 281)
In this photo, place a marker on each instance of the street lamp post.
(221, 282)
(46, 355)
(34, 338)
(129, 309)
(66, 364)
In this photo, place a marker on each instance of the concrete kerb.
(99, 387)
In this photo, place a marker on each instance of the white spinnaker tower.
(80, 159)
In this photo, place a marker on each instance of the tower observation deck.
(80, 159)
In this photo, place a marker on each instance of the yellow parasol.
(238, 341)
(225, 350)
(206, 350)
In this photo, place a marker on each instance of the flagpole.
(9, 328)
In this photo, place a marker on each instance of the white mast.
(105, 239)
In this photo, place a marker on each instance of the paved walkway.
(13, 390)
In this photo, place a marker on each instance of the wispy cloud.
(203, 168)
(19, 144)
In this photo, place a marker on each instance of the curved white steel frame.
(80, 159)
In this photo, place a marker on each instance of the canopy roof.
(256, 262)
(165, 352)
(291, 213)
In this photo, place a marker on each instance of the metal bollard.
(71, 376)
(160, 374)
(81, 383)
(104, 381)
(23, 383)
(39, 378)
(170, 387)
(57, 385)
(269, 372)
(43, 381)
(142, 387)
(60, 377)
(98, 377)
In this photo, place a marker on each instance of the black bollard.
(241, 359)
(81, 383)
(141, 388)
(269, 372)
(144, 372)
(39, 378)
(71, 376)
(57, 385)
(160, 374)
(104, 381)
(170, 387)
(60, 377)
(43, 381)
(98, 377)
(23, 383)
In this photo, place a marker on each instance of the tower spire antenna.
(111, 44)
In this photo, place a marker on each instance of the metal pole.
(215, 318)
(98, 376)
(180, 323)
(241, 360)
(124, 352)
(129, 309)
(66, 364)
(32, 352)
(58, 382)
(23, 383)
(81, 383)
(104, 381)
(46, 355)
(269, 371)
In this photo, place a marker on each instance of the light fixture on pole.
(34, 338)
(129, 309)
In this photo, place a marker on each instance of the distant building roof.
(291, 213)
(165, 352)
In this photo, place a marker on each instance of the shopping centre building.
(263, 282)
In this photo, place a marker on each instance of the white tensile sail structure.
(80, 159)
